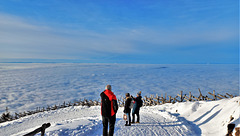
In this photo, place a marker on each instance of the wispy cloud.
(19, 36)
(25, 38)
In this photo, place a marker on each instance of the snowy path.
(87, 121)
(155, 123)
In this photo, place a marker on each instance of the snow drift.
(207, 118)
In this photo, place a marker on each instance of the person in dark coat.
(109, 109)
(136, 107)
(127, 109)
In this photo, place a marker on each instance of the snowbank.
(180, 119)
(211, 117)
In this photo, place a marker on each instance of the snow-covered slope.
(211, 117)
(179, 119)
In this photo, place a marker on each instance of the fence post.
(190, 96)
(201, 97)
(214, 96)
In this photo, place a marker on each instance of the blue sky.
(120, 31)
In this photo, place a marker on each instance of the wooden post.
(214, 95)
(165, 97)
(190, 96)
(158, 101)
(181, 96)
(201, 97)
(170, 99)
(162, 98)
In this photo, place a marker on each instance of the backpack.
(131, 104)
(115, 106)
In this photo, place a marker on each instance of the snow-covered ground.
(26, 86)
(180, 119)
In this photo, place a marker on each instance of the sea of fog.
(25, 86)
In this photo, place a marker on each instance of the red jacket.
(109, 104)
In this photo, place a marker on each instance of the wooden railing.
(40, 129)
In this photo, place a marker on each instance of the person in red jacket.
(109, 109)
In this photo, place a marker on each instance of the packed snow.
(206, 118)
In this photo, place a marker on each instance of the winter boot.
(127, 124)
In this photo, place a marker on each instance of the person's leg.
(129, 114)
(112, 124)
(133, 118)
(105, 125)
(138, 117)
(126, 123)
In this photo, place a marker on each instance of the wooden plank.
(229, 95)
(197, 98)
(219, 97)
(214, 96)
(224, 96)
(207, 98)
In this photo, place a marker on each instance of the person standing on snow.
(109, 109)
(127, 109)
(136, 107)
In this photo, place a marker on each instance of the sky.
(120, 31)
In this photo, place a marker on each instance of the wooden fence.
(147, 101)
(40, 129)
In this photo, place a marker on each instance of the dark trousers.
(111, 121)
(128, 122)
(133, 117)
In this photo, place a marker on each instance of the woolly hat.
(139, 93)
